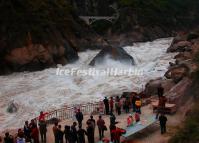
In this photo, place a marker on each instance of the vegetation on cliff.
(37, 34)
(42, 20)
(163, 13)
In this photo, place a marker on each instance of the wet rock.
(152, 86)
(183, 56)
(118, 54)
(178, 72)
(181, 46)
(12, 107)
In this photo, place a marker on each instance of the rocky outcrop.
(181, 46)
(152, 86)
(12, 108)
(177, 72)
(118, 54)
(57, 44)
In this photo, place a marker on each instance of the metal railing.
(69, 112)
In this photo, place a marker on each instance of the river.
(45, 90)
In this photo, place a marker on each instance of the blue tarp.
(145, 122)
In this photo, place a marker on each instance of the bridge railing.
(69, 112)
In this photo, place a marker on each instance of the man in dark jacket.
(55, 131)
(81, 135)
(79, 116)
(27, 131)
(112, 119)
(67, 134)
(74, 133)
(8, 138)
(90, 133)
(60, 134)
(43, 130)
(163, 120)
(106, 104)
(92, 121)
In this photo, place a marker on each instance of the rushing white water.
(44, 90)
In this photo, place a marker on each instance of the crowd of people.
(77, 134)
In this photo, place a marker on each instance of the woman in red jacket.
(35, 133)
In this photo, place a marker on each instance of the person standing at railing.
(79, 116)
(81, 135)
(74, 133)
(92, 121)
(35, 133)
(60, 134)
(42, 116)
(111, 103)
(118, 105)
(90, 133)
(55, 131)
(138, 104)
(106, 104)
(67, 134)
(27, 131)
(43, 130)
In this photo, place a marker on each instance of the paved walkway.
(122, 119)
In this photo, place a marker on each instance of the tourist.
(74, 132)
(138, 105)
(90, 133)
(112, 127)
(160, 90)
(35, 133)
(42, 116)
(117, 132)
(126, 105)
(130, 120)
(137, 117)
(163, 120)
(67, 133)
(101, 127)
(8, 138)
(27, 131)
(122, 102)
(81, 135)
(55, 131)
(161, 105)
(60, 134)
(111, 103)
(20, 136)
(133, 102)
(32, 123)
(92, 121)
(106, 105)
(79, 116)
(112, 118)
(118, 105)
(101, 107)
(43, 130)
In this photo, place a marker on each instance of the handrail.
(69, 112)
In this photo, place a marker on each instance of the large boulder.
(177, 72)
(183, 56)
(152, 86)
(12, 107)
(181, 46)
(118, 54)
